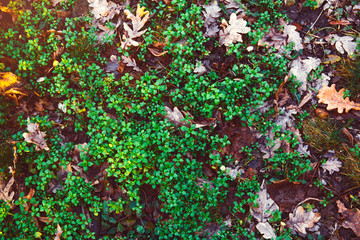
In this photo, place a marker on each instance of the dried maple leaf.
(332, 165)
(35, 136)
(265, 205)
(302, 220)
(334, 99)
(232, 31)
(351, 217)
(138, 22)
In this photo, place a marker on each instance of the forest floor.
(180, 119)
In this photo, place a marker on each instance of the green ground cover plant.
(116, 166)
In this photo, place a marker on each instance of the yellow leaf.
(141, 11)
(14, 91)
(331, 59)
(7, 80)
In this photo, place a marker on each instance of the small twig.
(307, 199)
(317, 19)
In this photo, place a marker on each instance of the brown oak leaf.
(334, 99)
(35, 136)
(351, 217)
(302, 220)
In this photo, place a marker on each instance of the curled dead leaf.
(335, 100)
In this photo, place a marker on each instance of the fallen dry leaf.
(130, 63)
(5, 192)
(265, 205)
(332, 165)
(175, 116)
(293, 35)
(138, 22)
(274, 39)
(300, 68)
(58, 233)
(103, 10)
(334, 99)
(332, 59)
(266, 230)
(7, 80)
(302, 220)
(343, 44)
(232, 31)
(35, 136)
(211, 13)
(9, 86)
(351, 217)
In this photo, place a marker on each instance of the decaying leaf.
(9, 86)
(265, 205)
(293, 35)
(130, 63)
(5, 192)
(103, 10)
(175, 116)
(332, 165)
(35, 136)
(330, 59)
(300, 68)
(343, 44)
(138, 22)
(351, 217)
(302, 220)
(200, 69)
(211, 13)
(335, 100)
(273, 39)
(58, 233)
(7, 81)
(232, 31)
(266, 230)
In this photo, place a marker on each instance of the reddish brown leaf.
(351, 217)
(341, 22)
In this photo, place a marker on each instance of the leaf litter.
(233, 32)
(302, 220)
